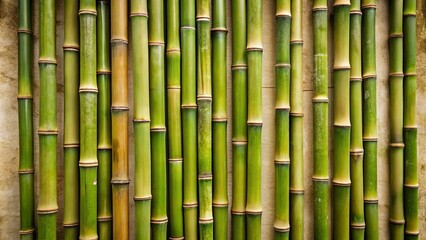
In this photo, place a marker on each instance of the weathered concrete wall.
(9, 185)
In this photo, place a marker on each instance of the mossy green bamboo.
(174, 121)
(254, 118)
(158, 119)
(396, 144)
(356, 147)
(119, 120)
(342, 127)
(411, 182)
(141, 118)
(219, 118)
(320, 103)
(282, 120)
(47, 204)
(204, 102)
(296, 123)
(189, 118)
(25, 111)
(369, 115)
(239, 120)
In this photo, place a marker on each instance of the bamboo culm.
(219, 118)
(104, 120)
(159, 217)
(396, 144)
(189, 118)
(282, 121)
(254, 118)
(25, 109)
(342, 127)
(411, 182)
(141, 118)
(47, 204)
(320, 102)
(369, 121)
(119, 120)
(239, 120)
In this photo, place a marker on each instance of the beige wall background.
(9, 184)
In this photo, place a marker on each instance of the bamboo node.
(47, 61)
(317, 9)
(139, 14)
(204, 98)
(396, 74)
(120, 181)
(105, 219)
(176, 238)
(366, 6)
(187, 27)
(341, 68)
(104, 147)
(206, 176)
(409, 14)
(341, 184)
(395, 35)
(203, 18)
(25, 171)
(396, 145)
(158, 129)
(412, 233)
(173, 87)
(253, 212)
(341, 3)
(189, 106)
(236, 212)
(47, 211)
(23, 97)
(355, 12)
(88, 164)
(238, 67)
(254, 49)
(284, 108)
(369, 76)
(219, 29)
(219, 119)
(295, 114)
(411, 186)
(371, 201)
(297, 191)
(357, 152)
(410, 74)
(320, 179)
(70, 225)
(136, 120)
(320, 100)
(24, 30)
(283, 65)
(282, 162)
(119, 108)
(47, 132)
(296, 42)
(283, 15)
(172, 50)
(118, 40)
(87, 11)
(254, 124)
(87, 90)
(410, 128)
(175, 160)
(71, 47)
(370, 139)
(103, 72)
(159, 221)
(147, 198)
(396, 222)
(281, 229)
(71, 145)
(205, 220)
(236, 142)
(220, 205)
(190, 205)
(358, 225)
(26, 231)
(355, 79)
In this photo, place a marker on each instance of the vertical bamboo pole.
(296, 122)
(320, 178)
(396, 154)
(119, 117)
(219, 118)
(254, 118)
(411, 182)
(189, 118)
(204, 102)
(342, 127)
(356, 147)
(104, 120)
(158, 119)
(239, 119)
(174, 121)
(369, 119)
(25, 109)
(141, 118)
(282, 120)
(47, 205)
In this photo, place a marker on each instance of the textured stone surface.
(9, 194)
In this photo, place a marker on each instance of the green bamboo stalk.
(282, 120)
(342, 127)
(47, 204)
(72, 121)
(189, 118)
(25, 106)
(396, 145)
(369, 116)
(141, 118)
(174, 121)
(239, 120)
(320, 102)
(411, 182)
(356, 147)
(104, 120)
(204, 102)
(219, 118)
(119, 120)
(254, 118)
(158, 119)
(296, 122)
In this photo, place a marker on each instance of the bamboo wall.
(9, 198)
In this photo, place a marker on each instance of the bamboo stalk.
(158, 120)
(141, 118)
(411, 182)
(369, 119)
(342, 127)
(119, 121)
(204, 102)
(320, 102)
(47, 205)
(282, 120)
(356, 147)
(189, 118)
(219, 118)
(104, 120)
(239, 120)
(396, 180)
(296, 122)
(25, 111)
(254, 117)
(174, 121)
